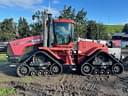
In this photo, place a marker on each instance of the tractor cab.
(58, 32)
(63, 30)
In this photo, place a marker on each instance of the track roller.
(117, 68)
(96, 71)
(33, 73)
(55, 69)
(108, 71)
(46, 72)
(22, 70)
(86, 68)
(102, 71)
(39, 73)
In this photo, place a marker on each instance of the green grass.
(113, 28)
(3, 58)
(7, 91)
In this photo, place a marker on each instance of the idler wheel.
(86, 69)
(22, 70)
(117, 68)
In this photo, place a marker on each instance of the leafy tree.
(91, 30)
(81, 16)
(38, 17)
(37, 26)
(67, 12)
(101, 32)
(125, 29)
(96, 30)
(81, 22)
(35, 29)
(23, 28)
(7, 29)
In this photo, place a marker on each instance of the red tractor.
(59, 48)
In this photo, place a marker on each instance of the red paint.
(18, 46)
(87, 48)
(62, 52)
(64, 20)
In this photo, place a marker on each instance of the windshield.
(63, 32)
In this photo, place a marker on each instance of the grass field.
(3, 57)
(7, 91)
(113, 28)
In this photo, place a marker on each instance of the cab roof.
(64, 20)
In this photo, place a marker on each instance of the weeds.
(3, 58)
(7, 91)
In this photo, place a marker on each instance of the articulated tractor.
(58, 47)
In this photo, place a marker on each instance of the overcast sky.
(103, 11)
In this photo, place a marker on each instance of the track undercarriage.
(41, 63)
(103, 64)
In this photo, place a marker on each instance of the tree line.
(10, 30)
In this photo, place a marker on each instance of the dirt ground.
(64, 85)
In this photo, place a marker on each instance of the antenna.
(49, 7)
